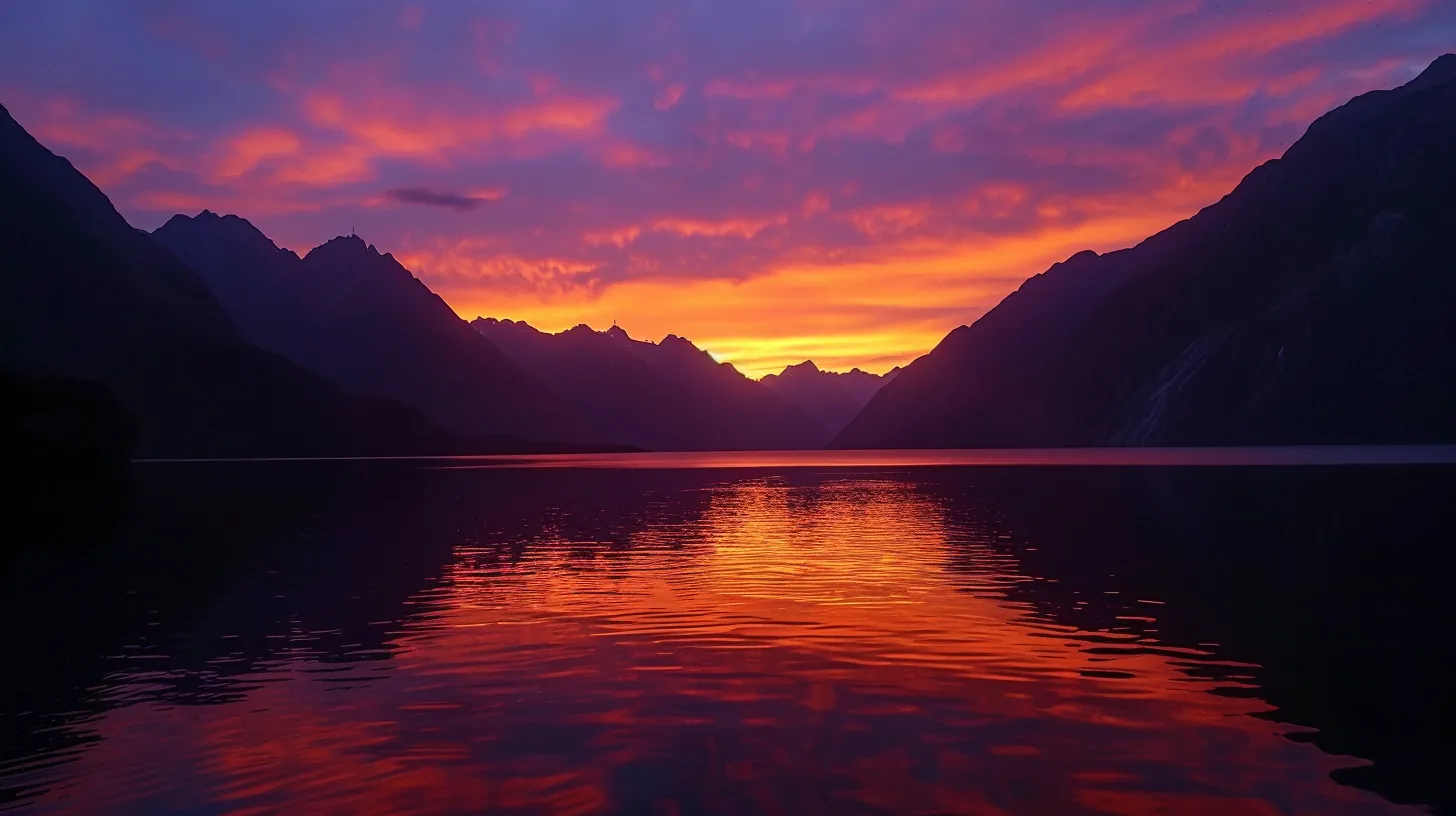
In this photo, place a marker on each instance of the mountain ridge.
(669, 395)
(360, 318)
(832, 398)
(1304, 307)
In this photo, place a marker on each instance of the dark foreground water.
(405, 637)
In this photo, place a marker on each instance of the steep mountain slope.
(1311, 305)
(362, 320)
(83, 295)
(660, 396)
(830, 397)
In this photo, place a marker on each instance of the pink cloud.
(706, 147)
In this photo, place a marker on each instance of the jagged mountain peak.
(231, 225)
(487, 324)
(810, 369)
(673, 341)
(345, 247)
(1441, 71)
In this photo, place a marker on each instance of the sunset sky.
(774, 179)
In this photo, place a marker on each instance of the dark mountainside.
(1311, 305)
(365, 322)
(830, 397)
(660, 396)
(84, 296)
(67, 446)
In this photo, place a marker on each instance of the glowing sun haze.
(775, 179)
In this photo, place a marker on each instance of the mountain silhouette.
(361, 319)
(830, 397)
(1312, 305)
(85, 297)
(670, 395)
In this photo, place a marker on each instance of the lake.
(731, 633)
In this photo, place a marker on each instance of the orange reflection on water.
(840, 645)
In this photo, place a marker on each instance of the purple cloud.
(646, 157)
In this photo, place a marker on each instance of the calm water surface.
(823, 638)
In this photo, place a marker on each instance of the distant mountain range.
(1316, 303)
(831, 398)
(669, 395)
(85, 298)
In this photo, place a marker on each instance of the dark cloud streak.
(436, 198)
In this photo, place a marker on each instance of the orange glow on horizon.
(845, 210)
(873, 314)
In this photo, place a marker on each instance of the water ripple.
(844, 643)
